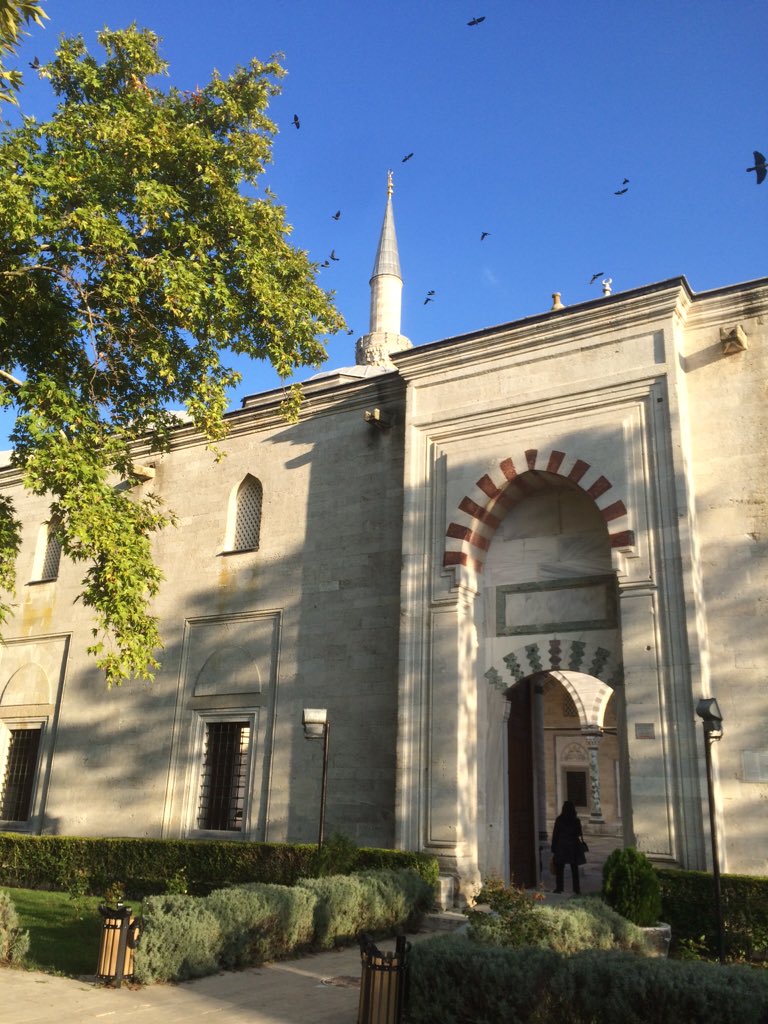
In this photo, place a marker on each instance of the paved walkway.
(318, 989)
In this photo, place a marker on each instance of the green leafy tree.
(14, 14)
(137, 254)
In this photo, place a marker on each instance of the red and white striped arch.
(480, 512)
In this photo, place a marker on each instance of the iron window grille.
(50, 567)
(20, 770)
(248, 515)
(224, 780)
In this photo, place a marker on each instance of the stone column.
(593, 738)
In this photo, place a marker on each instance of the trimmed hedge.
(687, 904)
(144, 866)
(368, 901)
(191, 936)
(453, 981)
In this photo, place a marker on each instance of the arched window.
(48, 556)
(247, 526)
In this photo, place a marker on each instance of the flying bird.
(431, 292)
(35, 64)
(325, 263)
(484, 235)
(428, 299)
(334, 256)
(408, 157)
(336, 215)
(476, 21)
(621, 191)
(625, 182)
(296, 120)
(595, 276)
(759, 168)
(351, 330)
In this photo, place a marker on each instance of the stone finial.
(556, 303)
(606, 283)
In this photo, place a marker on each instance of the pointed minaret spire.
(384, 337)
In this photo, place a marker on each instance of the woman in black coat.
(566, 845)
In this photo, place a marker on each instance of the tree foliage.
(14, 14)
(137, 254)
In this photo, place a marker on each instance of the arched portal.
(548, 618)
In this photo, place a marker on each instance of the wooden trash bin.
(119, 938)
(382, 987)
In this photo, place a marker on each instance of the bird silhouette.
(595, 276)
(625, 182)
(621, 191)
(408, 157)
(351, 330)
(35, 64)
(336, 215)
(759, 167)
(428, 299)
(334, 256)
(325, 263)
(296, 120)
(476, 21)
(484, 235)
(431, 291)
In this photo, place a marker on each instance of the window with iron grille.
(51, 556)
(248, 515)
(569, 706)
(19, 778)
(50, 569)
(224, 780)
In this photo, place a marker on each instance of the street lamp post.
(317, 727)
(712, 721)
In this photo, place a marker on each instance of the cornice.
(721, 305)
(328, 395)
(557, 328)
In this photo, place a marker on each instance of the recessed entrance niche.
(550, 594)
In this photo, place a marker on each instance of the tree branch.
(11, 379)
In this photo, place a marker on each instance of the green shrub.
(631, 886)
(337, 856)
(14, 942)
(261, 922)
(190, 936)
(150, 866)
(368, 901)
(453, 981)
(514, 919)
(181, 939)
(688, 906)
(589, 923)
(518, 919)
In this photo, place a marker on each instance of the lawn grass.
(64, 934)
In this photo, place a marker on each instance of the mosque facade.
(508, 566)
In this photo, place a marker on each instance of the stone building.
(508, 564)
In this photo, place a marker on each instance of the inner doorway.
(522, 813)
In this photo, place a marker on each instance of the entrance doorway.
(522, 816)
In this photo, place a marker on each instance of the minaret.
(384, 337)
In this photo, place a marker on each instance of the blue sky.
(523, 126)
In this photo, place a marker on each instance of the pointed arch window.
(48, 555)
(247, 515)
